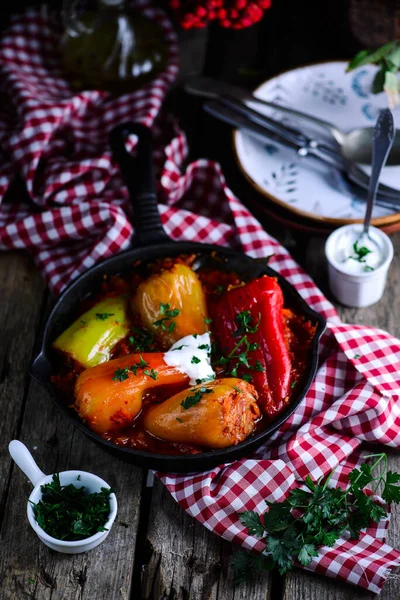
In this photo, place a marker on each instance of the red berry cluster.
(235, 14)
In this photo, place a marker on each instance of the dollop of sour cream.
(191, 355)
(356, 254)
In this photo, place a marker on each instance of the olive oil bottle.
(108, 46)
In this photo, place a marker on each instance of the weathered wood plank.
(21, 296)
(28, 569)
(186, 561)
(384, 314)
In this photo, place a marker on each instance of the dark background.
(292, 33)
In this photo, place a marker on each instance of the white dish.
(23, 458)
(367, 286)
(303, 185)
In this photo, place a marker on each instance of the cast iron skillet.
(153, 242)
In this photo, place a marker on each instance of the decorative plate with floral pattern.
(304, 185)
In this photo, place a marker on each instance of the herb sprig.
(69, 512)
(240, 353)
(294, 529)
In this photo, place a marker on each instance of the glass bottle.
(108, 46)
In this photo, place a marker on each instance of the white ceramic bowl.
(25, 461)
(357, 289)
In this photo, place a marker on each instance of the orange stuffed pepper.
(217, 414)
(109, 396)
(171, 304)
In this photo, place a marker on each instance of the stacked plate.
(303, 192)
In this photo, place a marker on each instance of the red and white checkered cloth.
(78, 213)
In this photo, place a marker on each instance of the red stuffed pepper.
(248, 326)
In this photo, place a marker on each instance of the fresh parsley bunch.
(294, 529)
(387, 58)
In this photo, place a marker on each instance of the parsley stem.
(240, 342)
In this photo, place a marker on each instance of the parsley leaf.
(252, 521)
(391, 492)
(195, 360)
(153, 374)
(190, 401)
(165, 323)
(104, 316)
(204, 347)
(121, 374)
(142, 340)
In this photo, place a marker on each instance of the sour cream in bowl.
(358, 266)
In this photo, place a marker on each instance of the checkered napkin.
(77, 213)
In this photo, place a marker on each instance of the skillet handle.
(138, 175)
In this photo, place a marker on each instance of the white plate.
(305, 185)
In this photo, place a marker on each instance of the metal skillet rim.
(182, 463)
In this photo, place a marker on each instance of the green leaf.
(361, 58)
(306, 554)
(283, 550)
(195, 360)
(391, 492)
(153, 374)
(190, 401)
(394, 55)
(366, 57)
(359, 479)
(164, 307)
(278, 517)
(103, 316)
(120, 374)
(379, 81)
(252, 521)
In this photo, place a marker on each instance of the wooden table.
(155, 551)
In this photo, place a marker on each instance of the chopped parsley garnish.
(245, 325)
(258, 367)
(179, 420)
(204, 347)
(84, 322)
(190, 401)
(239, 391)
(179, 347)
(294, 530)
(69, 513)
(360, 252)
(153, 374)
(207, 321)
(368, 268)
(141, 340)
(165, 323)
(357, 356)
(292, 385)
(195, 360)
(219, 289)
(195, 335)
(104, 316)
(247, 377)
(121, 374)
